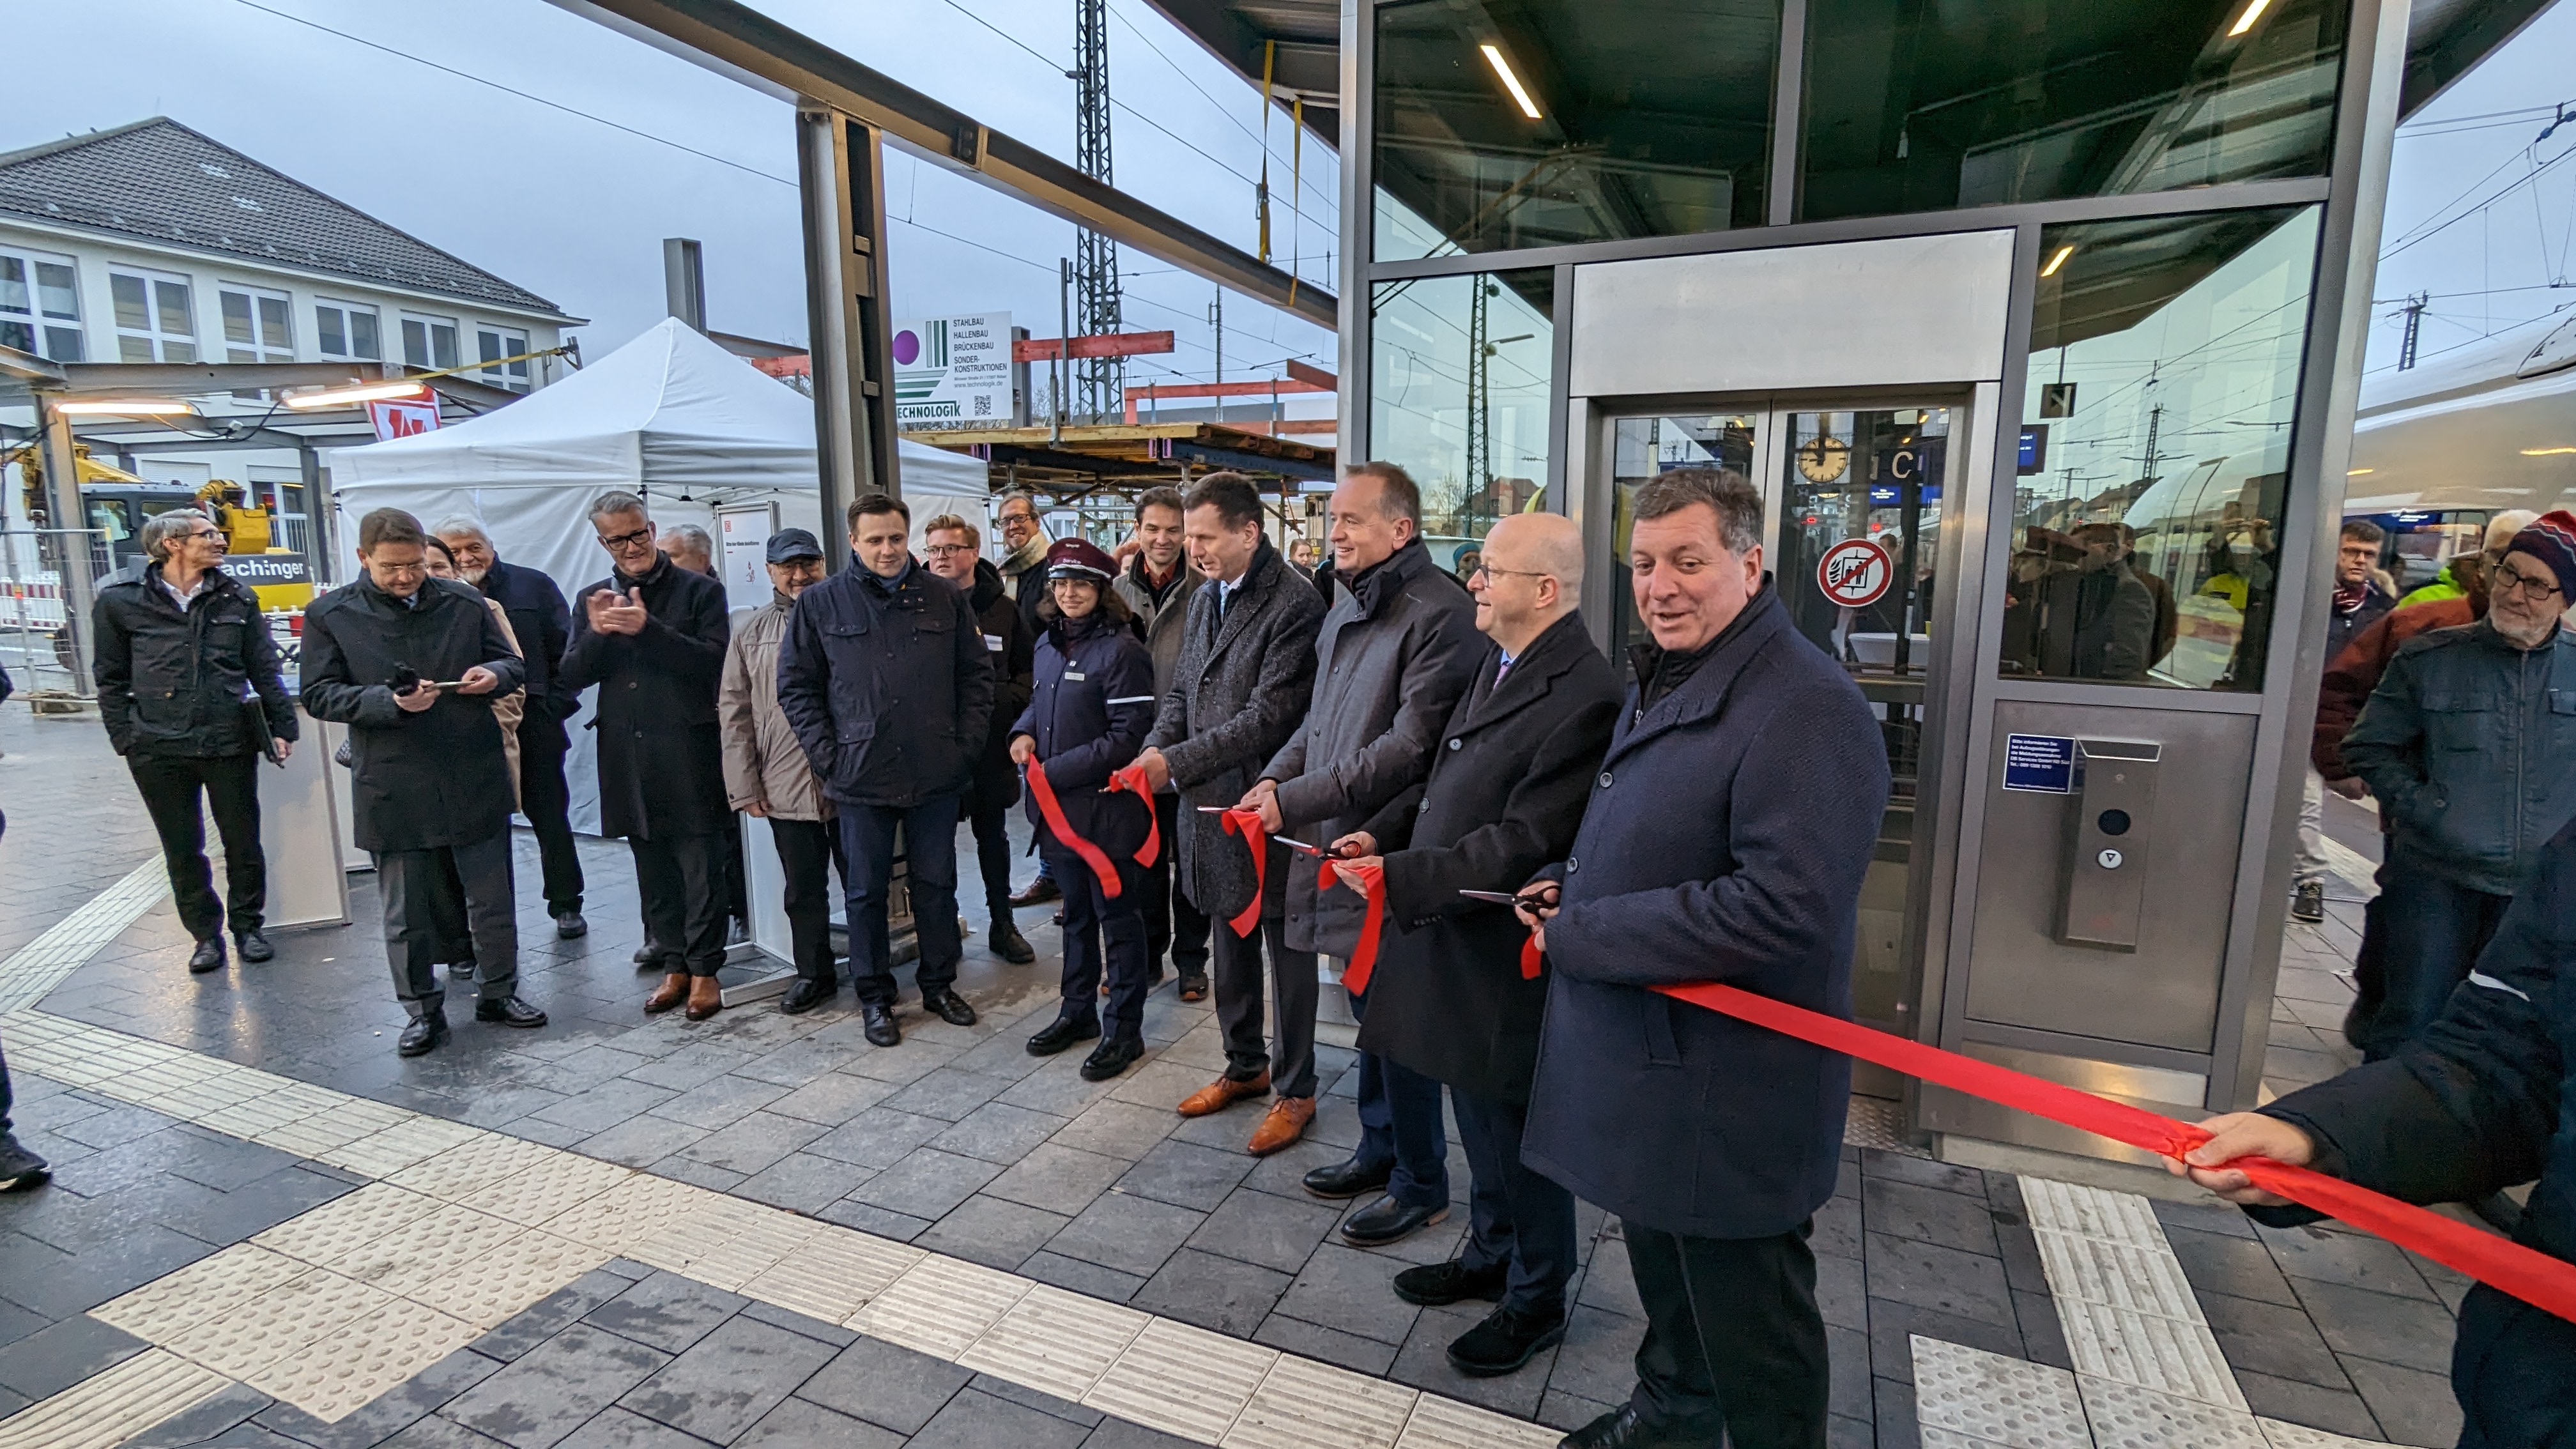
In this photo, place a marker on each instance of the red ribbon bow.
(1371, 881)
(1133, 778)
(1247, 823)
(2534, 1277)
(1053, 813)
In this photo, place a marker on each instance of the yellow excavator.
(119, 504)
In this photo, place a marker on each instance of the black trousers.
(171, 787)
(5, 1097)
(1400, 1125)
(1733, 1337)
(680, 879)
(547, 802)
(2434, 930)
(1172, 924)
(1515, 1218)
(1239, 993)
(929, 832)
(992, 825)
(1090, 919)
(809, 851)
(411, 882)
(737, 885)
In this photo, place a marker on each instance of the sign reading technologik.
(953, 372)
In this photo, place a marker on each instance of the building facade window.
(1460, 370)
(1552, 121)
(2165, 361)
(1910, 107)
(493, 344)
(347, 329)
(256, 326)
(429, 341)
(40, 305)
(155, 316)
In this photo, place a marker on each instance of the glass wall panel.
(1916, 107)
(1458, 395)
(1527, 123)
(2155, 448)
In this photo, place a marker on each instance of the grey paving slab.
(1944, 1280)
(1227, 1295)
(1892, 1325)
(877, 1137)
(977, 1420)
(620, 1428)
(927, 1183)
(719, 1101)
(1352, 1291)
(892, 1387)
(1117, 1129)
(666, 1312)
(948, 1093)
(1423, 1362)
(2268, 1338)
(804, 1424)
(1044, 1403)
(1330, 1345)
(1119, 1434)
(1076, 1276)
(832, 1098)
(752, 1144)
(62, 1354)
(1185, 1175)
(2336, 1411)
(690, 1066)
(551, 1315)
(556, 1388)
(1058, 1178)
(869, 1218)
(699, 1174)
(641, 1141)
(803, 1182)
(998, 1132)
(1932, 1215)
(404, 1409)
(993, 1231)
(1131, 1234)
(1274, 1232)
(1597, 1361)
(2350, 1259)
(2410, 1405)
(729, 1379)
(60, 1284)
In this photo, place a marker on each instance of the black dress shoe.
(647, 954)
(1625, 1428)
(1348, 1179)
(462, 971)
(569, 926)
(1110, 1058)
(1036, 893)
(1060, 1033)
(805, 993)
(423, 1035)
(209, 956)
(948, 1006)
(1504, 1342)
(509, 1011)
(1388, 1221)
(20, 1169)
(1437, 1285)
(254, 946)
(1011, 946)
(878, 1021)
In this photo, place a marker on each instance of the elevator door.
(1853, 518)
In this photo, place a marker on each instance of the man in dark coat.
(1448, 1000)
(950, 545)
(543, 623)
(2474, 1104)
(1393, 658)
(1725, 840)
(886, 678)
(1241, 685)
(181, 647)
(652, 637)
(2357, 603)
(412, 665)
(1157, 584)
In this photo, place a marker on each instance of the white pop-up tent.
(671, 416)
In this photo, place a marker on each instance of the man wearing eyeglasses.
(2470, 745)
(184, 658)
(652, 636)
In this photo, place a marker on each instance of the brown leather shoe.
(1285, 1123)
(1222, 1093)
(673, 990)
(706, 998)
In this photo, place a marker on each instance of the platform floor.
(268, 1229)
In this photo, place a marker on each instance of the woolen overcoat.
(661, 756)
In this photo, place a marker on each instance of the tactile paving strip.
(834, 1275)
(461, 1172)
(940, 1307)
(2139, 1280)
(1055, 1341)
(446, 1242)
(213, 1285)
(1995, 1400)
(1182, 1380)
(727, 1248)
(2128, 1311)
(109, 1408)
(2148, 1350)
(629, 1213)
(488, 1288)
(1439, 1423)
(347, 1225)
(2125, 1416)
(282, 1322)
(414, 1140)
(40, 965)
(547, 1189)
(335, 1376)
(1303, 1405)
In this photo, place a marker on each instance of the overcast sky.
(576, 210)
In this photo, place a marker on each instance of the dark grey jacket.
(1164, 623)
(1391, 661)
(2470, 745)
(1236, 694)
(661, 754)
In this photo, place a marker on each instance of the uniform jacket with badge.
(1089, 715)
(417, 781)
(1391, 660)
(661, 756)
(1010, 647)
(1725, 840)
(887, 685)
(763, 763)
(1505, 796)
(172, 682)
(1240, 687)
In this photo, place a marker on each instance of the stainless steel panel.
(2166, 992)
(2157, 1089)
(299, 831)
(2111, 835)
(1908, 310)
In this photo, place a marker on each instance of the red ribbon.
(1371, 880)
(1053, 813)
(1247, 823)
(1530, 958)
(2534, 1277)
(1133, 778)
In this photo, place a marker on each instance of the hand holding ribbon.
(1053, 813)
(1369, 880)
(1247, 823)
(1133, 778)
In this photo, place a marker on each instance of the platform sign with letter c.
(1855, 573)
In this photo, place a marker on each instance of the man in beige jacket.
(765, 770)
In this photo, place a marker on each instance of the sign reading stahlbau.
(953, 372)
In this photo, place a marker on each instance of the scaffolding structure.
(1100, 383)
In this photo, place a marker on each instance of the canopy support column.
(840, 173)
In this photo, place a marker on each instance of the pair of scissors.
(1281, 839)
(1506, 898)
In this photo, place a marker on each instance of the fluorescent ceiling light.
(362, 392)
(2546, 452)
(1511, 82)
(2357, 472)
(129, 407)
(2057, 261)
(2245, 22)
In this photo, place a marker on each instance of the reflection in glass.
(1873, 477)
(1524, 123)
(1641, 448)
(1913, 107)
(2155, 450)
(1458, 395)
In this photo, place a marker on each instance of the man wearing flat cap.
(767, 775)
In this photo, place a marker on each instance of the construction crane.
(1100, 382)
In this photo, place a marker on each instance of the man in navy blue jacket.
(1725, 840)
